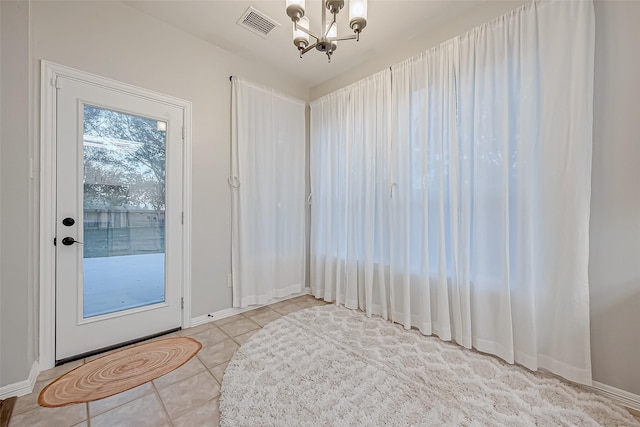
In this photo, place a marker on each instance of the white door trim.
(49, 76)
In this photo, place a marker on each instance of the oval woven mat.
(119, 371)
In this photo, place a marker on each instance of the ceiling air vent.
(257, 22)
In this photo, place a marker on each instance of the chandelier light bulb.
(357, 15)
(356, 9)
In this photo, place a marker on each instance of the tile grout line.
(157, 393)
(119, 405)
(180, 414)
(229, 336)
(214, 377)
(201, 332)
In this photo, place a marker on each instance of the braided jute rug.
(119, 371)
(329, 366)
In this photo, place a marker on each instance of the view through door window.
(124, 211)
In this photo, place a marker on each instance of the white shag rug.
(329, 366)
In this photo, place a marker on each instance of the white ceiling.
(390, 22)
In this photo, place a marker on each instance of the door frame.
(50, 72)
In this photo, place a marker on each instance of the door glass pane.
(124, 211)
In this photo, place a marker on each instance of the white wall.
(614, 264)
(17, 350)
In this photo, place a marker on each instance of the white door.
(119, 217)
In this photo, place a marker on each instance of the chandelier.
(327, 41)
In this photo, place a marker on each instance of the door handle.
(68, 241)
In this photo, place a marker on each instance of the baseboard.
(623, 397)
(23, 387)
(228, 312)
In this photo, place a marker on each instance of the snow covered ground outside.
(122, 282)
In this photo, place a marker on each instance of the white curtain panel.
(268, 194)
(349, 145)
(483, 233)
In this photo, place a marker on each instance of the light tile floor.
(187, 396)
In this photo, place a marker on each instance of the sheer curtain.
(483, 233)
(268, 194)
(349, 145)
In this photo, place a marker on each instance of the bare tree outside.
(124, 183)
